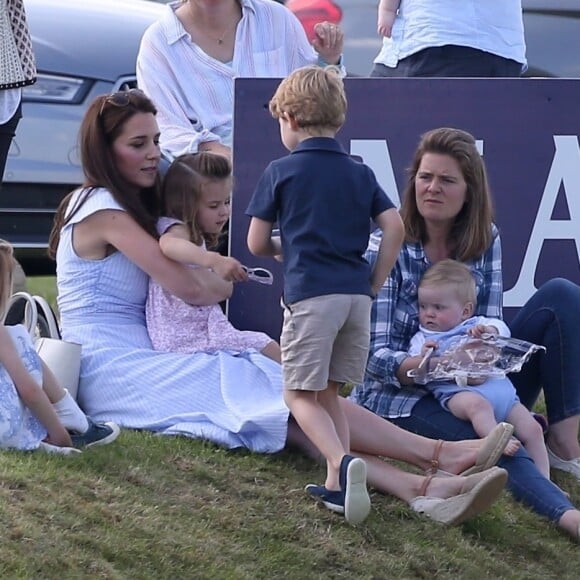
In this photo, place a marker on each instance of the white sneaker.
(353, 486)
(570, 466)
(49, 448)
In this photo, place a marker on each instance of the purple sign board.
(527, 132)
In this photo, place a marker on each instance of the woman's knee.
(559, 292)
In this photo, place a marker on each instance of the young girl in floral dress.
(196, 205)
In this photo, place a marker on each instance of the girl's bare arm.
(195, 286)
(31, 392)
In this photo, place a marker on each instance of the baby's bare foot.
(512, 447)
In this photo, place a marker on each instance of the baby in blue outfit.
(447, 301)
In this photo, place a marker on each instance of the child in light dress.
(196, 205)
(447, 300)
(35, 411)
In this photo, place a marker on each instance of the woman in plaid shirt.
(447, 211)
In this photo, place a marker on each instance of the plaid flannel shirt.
(395, 319)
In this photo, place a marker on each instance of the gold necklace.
(219, 39)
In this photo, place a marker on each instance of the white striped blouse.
(194, 93)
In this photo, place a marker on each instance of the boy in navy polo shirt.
(323, 201)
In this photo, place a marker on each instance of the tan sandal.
(492, 448)
(478, 492)
(433, 469)
(489, 453)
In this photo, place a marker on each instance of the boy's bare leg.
(329, 399)
(319, 427)
(531, 434)
(473, 407)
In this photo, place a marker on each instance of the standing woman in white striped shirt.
(188, 60)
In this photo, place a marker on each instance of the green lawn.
(170, 507)
(43, 285)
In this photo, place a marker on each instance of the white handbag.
(61, 357)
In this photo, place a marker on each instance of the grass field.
(45, 286)
(170, 507)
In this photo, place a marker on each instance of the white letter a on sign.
(565, 171)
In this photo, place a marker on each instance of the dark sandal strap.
(435, 459)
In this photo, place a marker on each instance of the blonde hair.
(6, 267)
(454, 274)
(314, 97)
(471, 233)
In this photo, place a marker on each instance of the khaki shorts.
(325, 338)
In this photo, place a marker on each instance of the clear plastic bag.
(491, 356)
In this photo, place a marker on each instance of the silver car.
(83, 49)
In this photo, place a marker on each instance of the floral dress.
(175, 326)
(19, 428)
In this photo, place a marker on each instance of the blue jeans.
(525, 482)
(551, 317)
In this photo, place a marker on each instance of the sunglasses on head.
(120, 98)
(260, 275)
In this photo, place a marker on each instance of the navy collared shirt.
(323, 201)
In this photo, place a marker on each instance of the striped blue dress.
(232, 400)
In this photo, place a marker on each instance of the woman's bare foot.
(458, 456)
(562, 438)
(455, 456)
(453, 500)
(570, 522)
(446, 487)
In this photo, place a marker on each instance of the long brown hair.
(183, 189)
(471, 234)
(102, 124)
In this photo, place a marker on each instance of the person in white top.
(188, 61)
(450, 38)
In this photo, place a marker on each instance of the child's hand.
(386, 20)
(230, 269)
(479, 330)
(429, 344)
